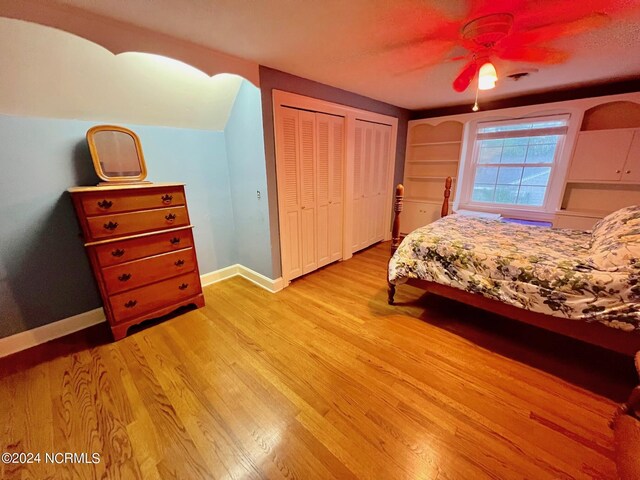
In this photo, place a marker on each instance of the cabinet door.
(307, 157)
(417, 214)
(631, 169)
(287, 144)
(600, 155)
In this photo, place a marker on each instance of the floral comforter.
(540, 269)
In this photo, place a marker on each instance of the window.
(513, 161)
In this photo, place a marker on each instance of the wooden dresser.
(140, 244)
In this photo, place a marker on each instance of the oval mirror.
(117, 154)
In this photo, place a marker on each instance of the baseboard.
(267, 283)
(46, 333)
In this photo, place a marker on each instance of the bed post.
(447, 193)
(395, 235)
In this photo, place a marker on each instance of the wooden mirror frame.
(96, 160)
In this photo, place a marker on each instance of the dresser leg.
(119, 331)
(199, 301)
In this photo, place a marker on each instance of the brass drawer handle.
(118, 252)
(105, 204)
(166, 199)
(131, 304)
(124, 277)
(183, 286)
(111, 226)
(170, 218)
(179, 263)
(174, 241)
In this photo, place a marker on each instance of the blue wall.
(247, 173)
(44, 272)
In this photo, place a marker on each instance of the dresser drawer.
(153, 297)
(105, 226)
(130, 275)
(126, 250)
(124, 201)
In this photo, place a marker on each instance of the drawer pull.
(179, 263)
(170, 218)
(124, 277)
(131, 304)
(111, 226)
(118, 252)
(174, 241)
(183, 286)
(166, 199)
(105, 204)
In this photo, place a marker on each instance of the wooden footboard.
(395, 231)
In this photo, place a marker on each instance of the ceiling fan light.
(487, 76)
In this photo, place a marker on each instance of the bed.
(584, 284)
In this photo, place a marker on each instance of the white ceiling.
(349, 43)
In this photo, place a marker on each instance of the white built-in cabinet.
(372, 142)
(310, 179)
(611, 155)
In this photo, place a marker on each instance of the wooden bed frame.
(627, 343)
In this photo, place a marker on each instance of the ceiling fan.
(491, 36)
(500, 30)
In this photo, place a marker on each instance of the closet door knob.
(618, 171)
(628, 171)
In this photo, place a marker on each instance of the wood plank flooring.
(322, 380)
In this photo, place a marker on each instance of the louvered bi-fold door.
(330, 149)
(308, 191)
(288, 145)
(310, 148)
(371, 160)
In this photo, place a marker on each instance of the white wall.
(50, 73)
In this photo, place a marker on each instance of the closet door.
(308, 206)
(383, 178)
(371, 170)
(358, 186)
(288, 146)
(336, 187)
(330, 148)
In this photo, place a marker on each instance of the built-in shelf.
(425, 162)
(426, 200)
(583, 213)
(429, 177)
(426, 144)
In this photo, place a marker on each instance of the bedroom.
(296, 365)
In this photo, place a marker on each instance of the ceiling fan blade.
(552, 31)
(531, 54)
(466, 75)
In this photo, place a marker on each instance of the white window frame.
(557, 169)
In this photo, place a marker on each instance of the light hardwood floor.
(322, 380)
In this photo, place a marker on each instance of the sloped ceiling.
(377, 48)
(49, 73)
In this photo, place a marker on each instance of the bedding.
(579, 275)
